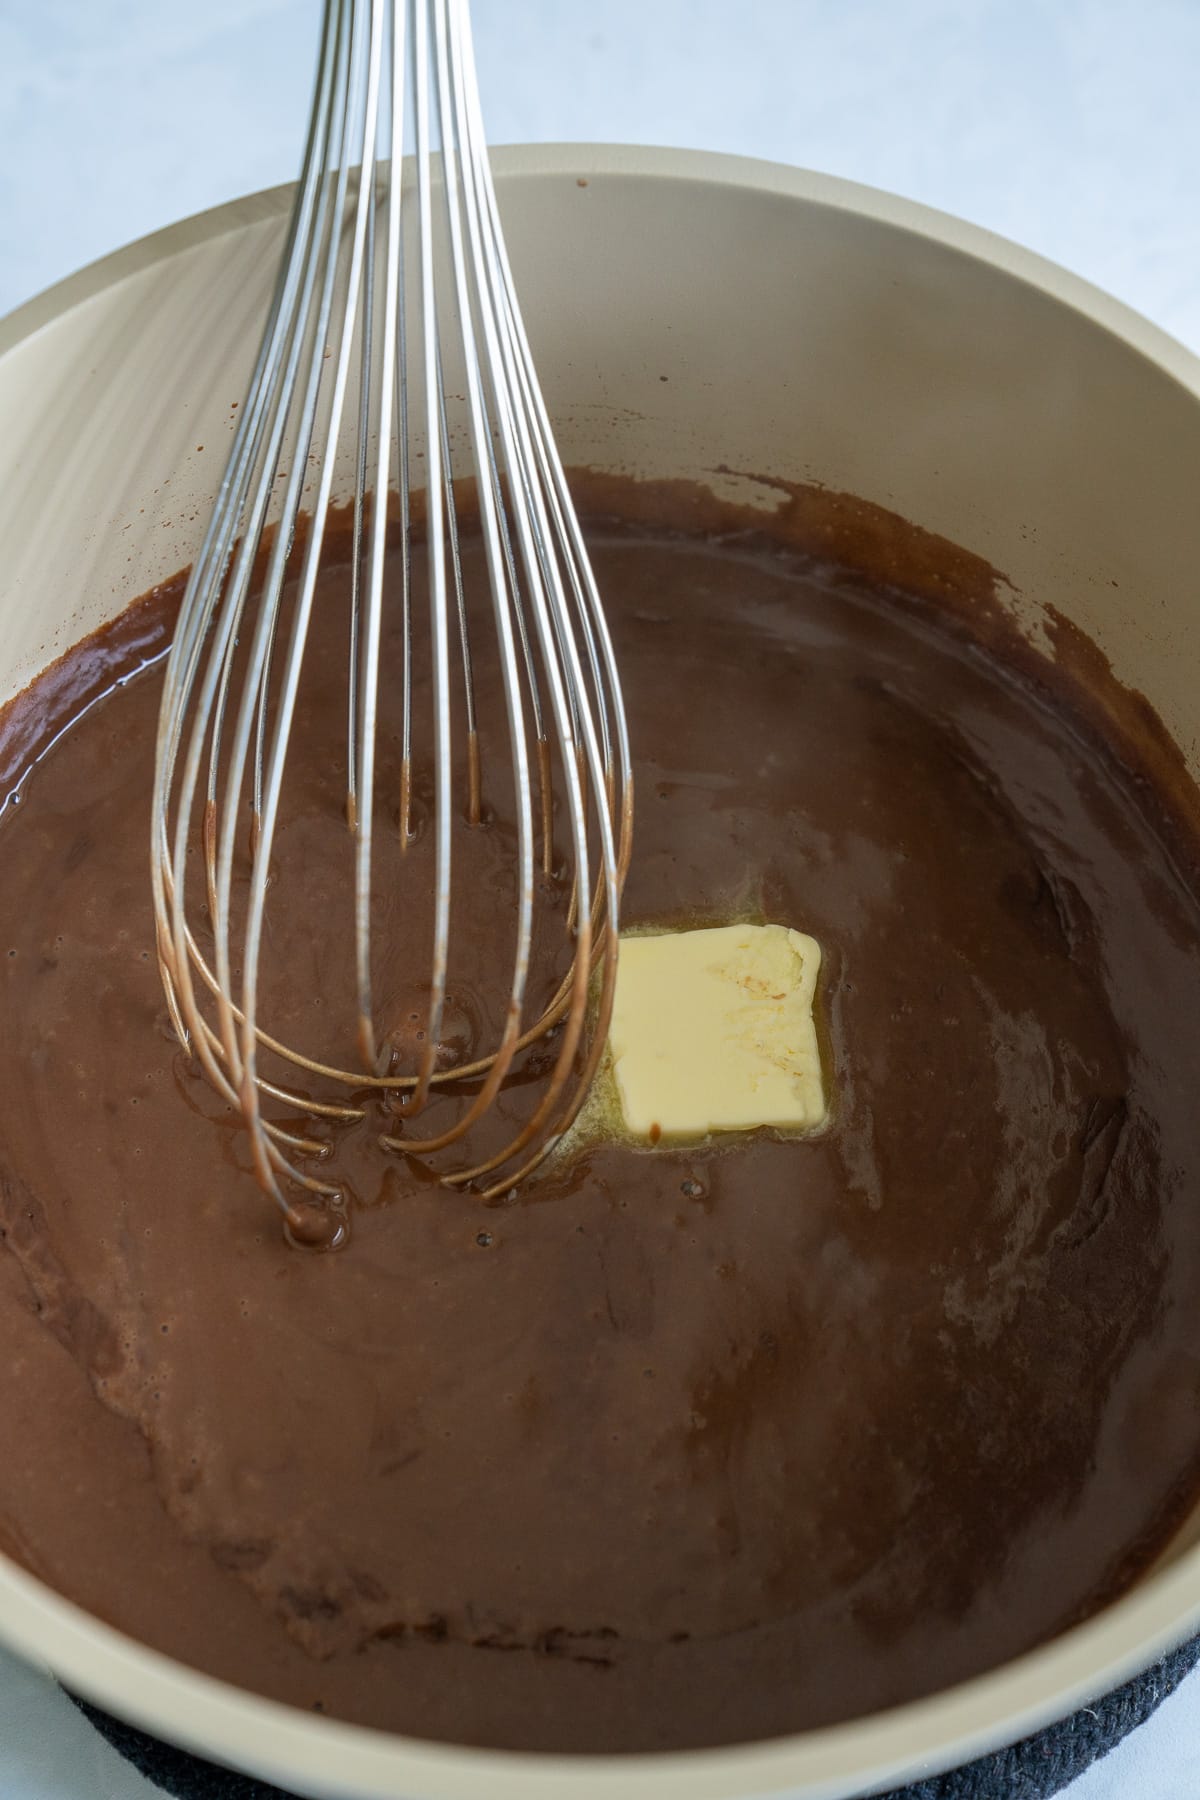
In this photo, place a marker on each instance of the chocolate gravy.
(679, 1447)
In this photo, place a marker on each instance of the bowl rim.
(350, 1762)
(512, 162)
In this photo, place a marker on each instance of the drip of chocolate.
(681, 1446)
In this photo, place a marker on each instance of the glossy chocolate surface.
(680, 1447)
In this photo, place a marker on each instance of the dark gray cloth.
(1031, 1770)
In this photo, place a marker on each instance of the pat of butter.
(713, 1031)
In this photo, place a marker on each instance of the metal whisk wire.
(399, 269)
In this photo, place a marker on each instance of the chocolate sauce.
(682, 1446)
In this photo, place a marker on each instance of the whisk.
(393, 284)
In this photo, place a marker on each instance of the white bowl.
(807, 329)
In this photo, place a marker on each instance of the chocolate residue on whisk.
(677, 1447)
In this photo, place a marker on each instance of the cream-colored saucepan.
(807, 329)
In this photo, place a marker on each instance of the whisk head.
(479, 692)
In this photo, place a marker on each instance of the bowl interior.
(697, 318)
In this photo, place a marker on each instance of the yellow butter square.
(713, 1030)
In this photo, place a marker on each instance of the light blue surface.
(1072, 126)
